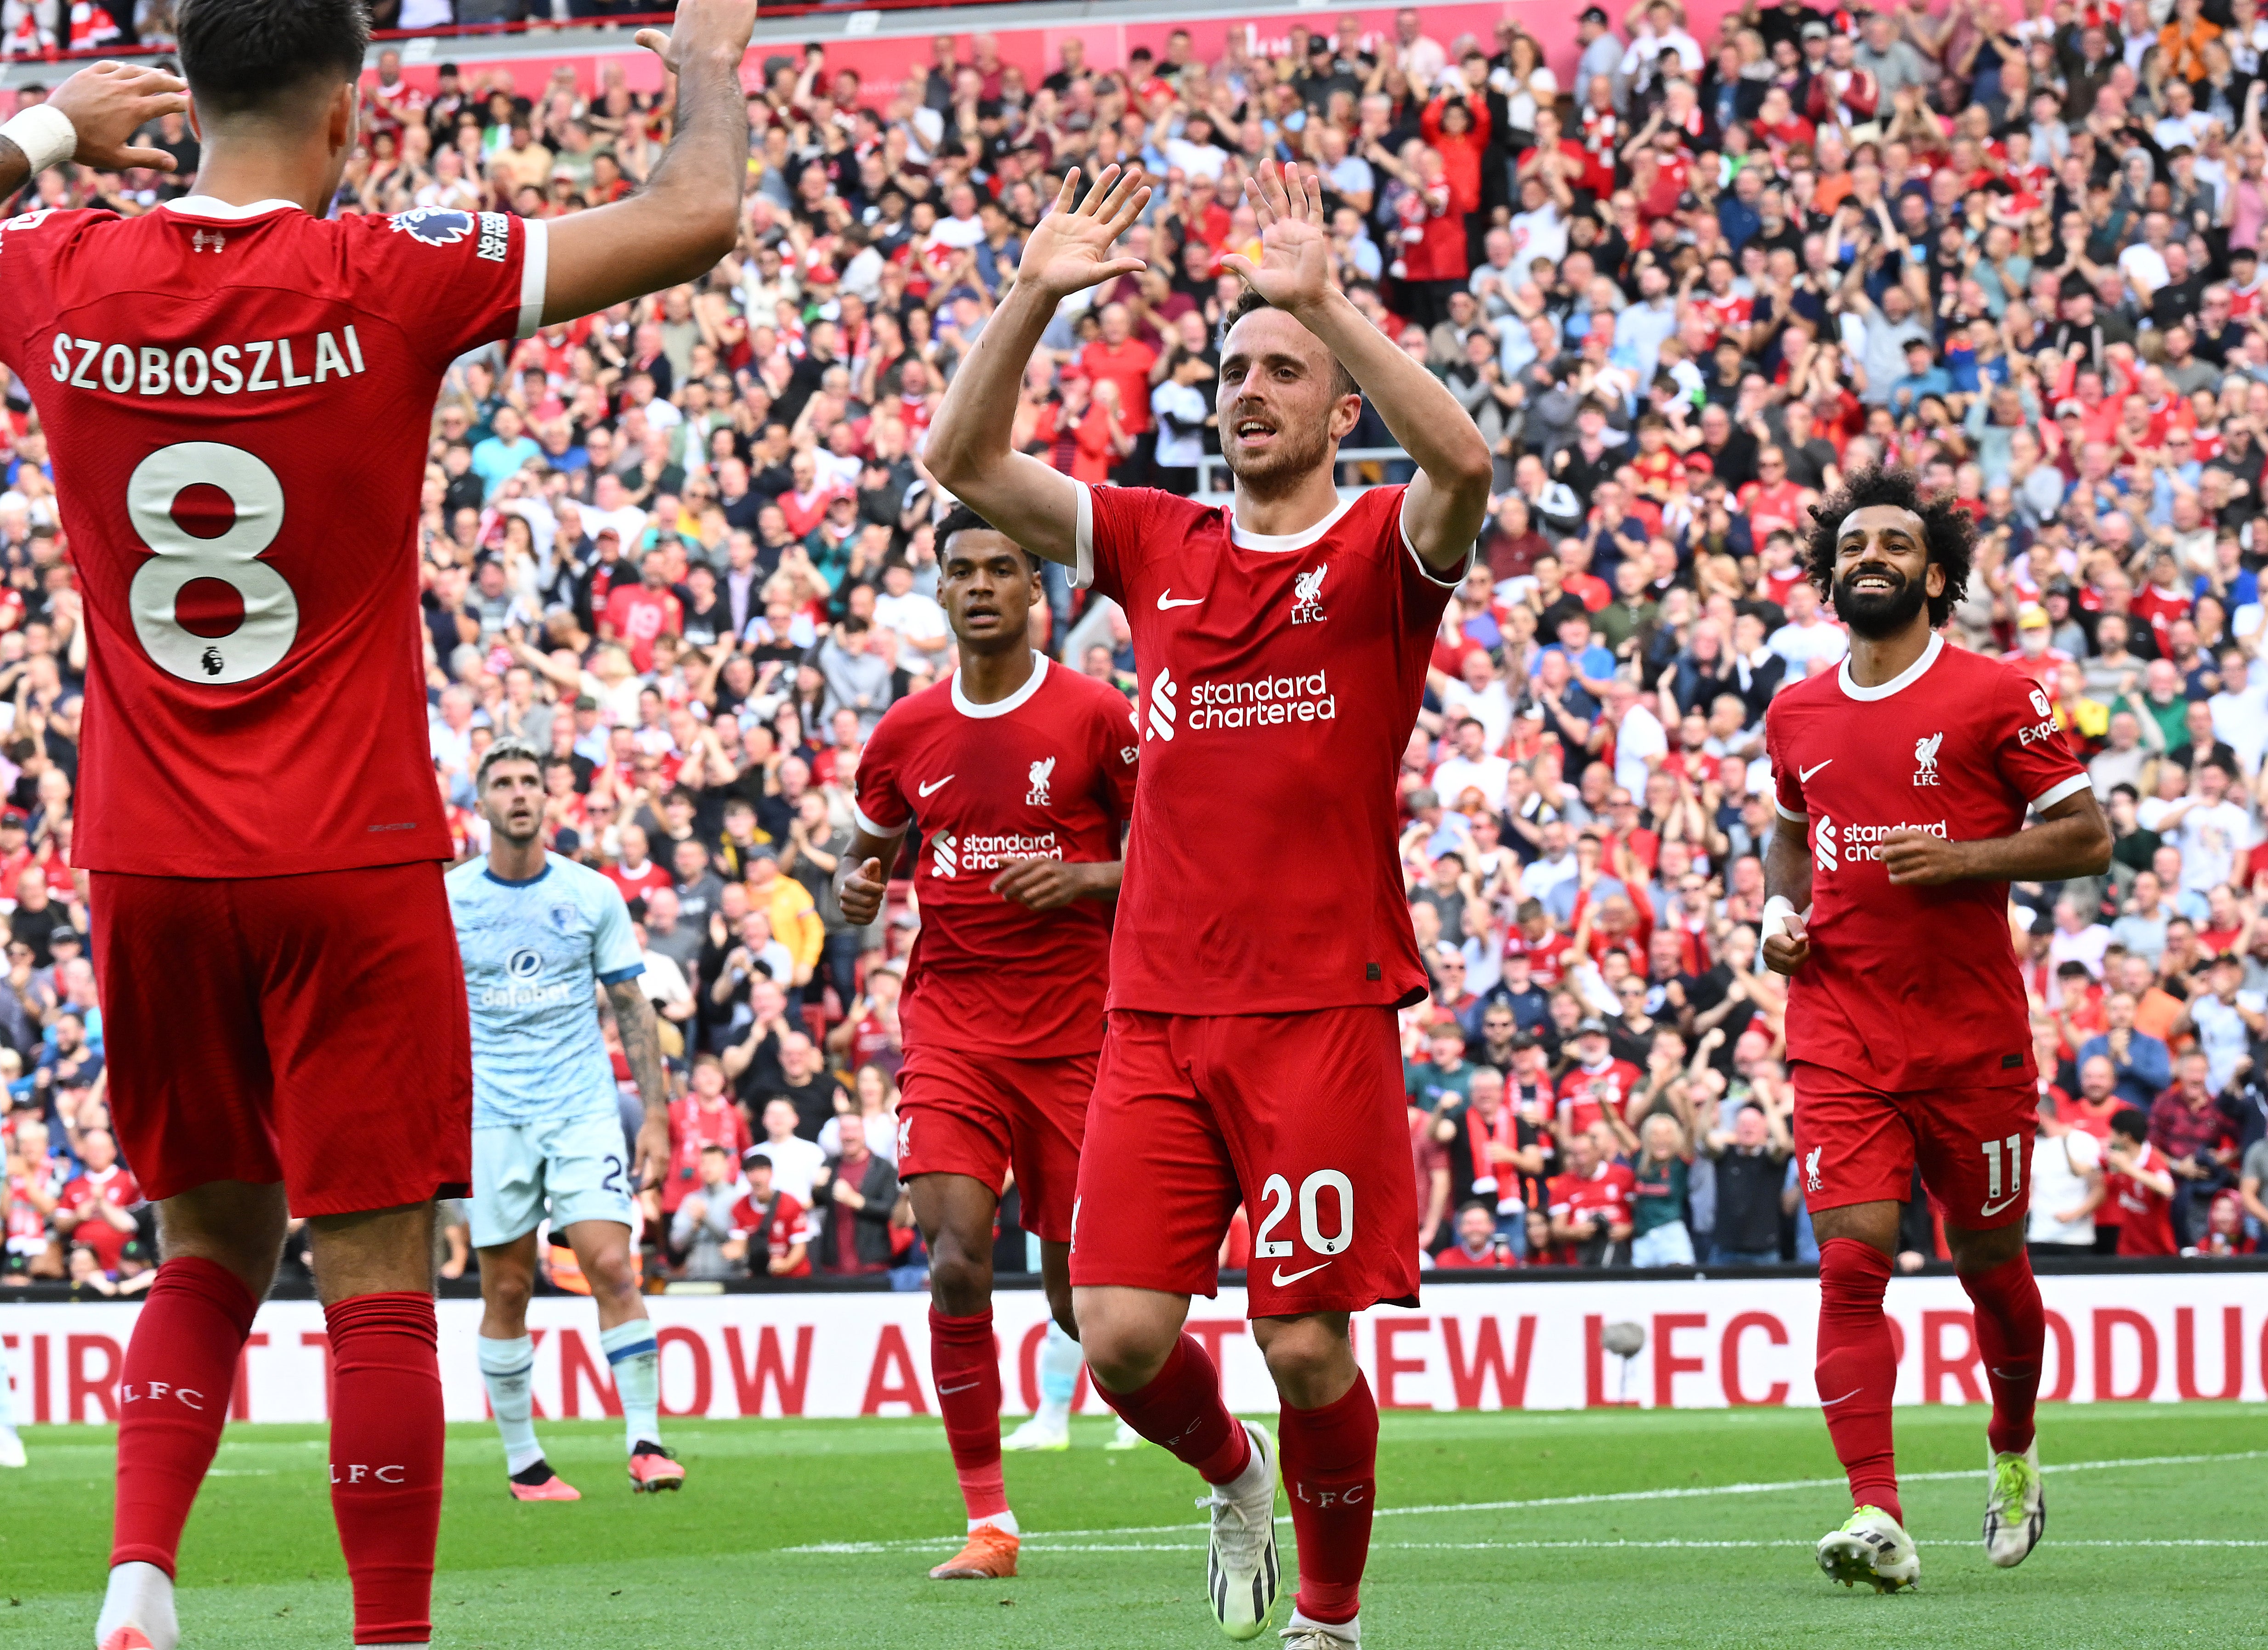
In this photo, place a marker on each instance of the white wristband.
(1778, 910)
(44, 133)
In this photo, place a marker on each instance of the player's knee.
(1306, 1355)
(959, 1282)
(610, 1272)
(507, 1289)
(1126, 1351)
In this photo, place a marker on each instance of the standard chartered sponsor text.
(1865, 841)
(1260, 702)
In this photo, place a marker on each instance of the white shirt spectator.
(1491, 707)
(2240, 720)
(2222, 1035)
(2085, 946)
(2211, 839)
(1803, 645)
(796, 1164)
(913, 617)
(2144, 267)
(1187, 405)
(1542, 233)
(882, 1136)
(1638, 736)
(1487, 774)
(1545, 874)
(959, 233)
(1195, 160)
(2059, 1170)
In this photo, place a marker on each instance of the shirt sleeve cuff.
(1082, 576)
(1432, 575)
(873, 830)
(534, 274)
(1791, 817)
(2056, 793)
(615, 976)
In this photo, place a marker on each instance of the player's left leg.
(602, 1249)
(1973, 1144)
(1311, 1109)
(361, 975)
(374, 1274)
(955, 1212)
(1328, 1431)
(507, 1353)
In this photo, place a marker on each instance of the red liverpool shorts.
(1297, 1117)
(310, 1029)
(962, 1111)
(1857, 1145)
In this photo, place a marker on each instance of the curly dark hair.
(1947, 529)
(962, 519)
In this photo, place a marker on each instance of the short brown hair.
(1251, 301)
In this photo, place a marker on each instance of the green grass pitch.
(817, 1534)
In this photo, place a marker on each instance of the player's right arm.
(862, 876)
(969, 452)
(105, 104)
(687, 218)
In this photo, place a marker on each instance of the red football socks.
(965, 1364)
(2012, 1334)
(1181, 1413)
(1331, 1473)
(386, 1460)
(1857, 1369)
(173, 1397)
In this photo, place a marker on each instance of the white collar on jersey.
(1278, 544)
(1001, 707)
(1904, 678)
(206, 206)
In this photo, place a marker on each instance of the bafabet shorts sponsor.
(1264, 701)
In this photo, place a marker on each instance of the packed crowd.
(687, 547)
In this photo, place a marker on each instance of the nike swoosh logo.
(1280, 1279)
(1992, 1209)
(966, 1386)
(1830, 1403)
(1166, 604)
(940, 785)
(1803, 774)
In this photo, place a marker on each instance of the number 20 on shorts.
(1276, 1193)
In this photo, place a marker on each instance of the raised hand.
(1294, 271)
(1071, 250)
(108, 103)
(702, 28)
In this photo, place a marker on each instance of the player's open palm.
(1071, 249)
(1294, 271)
(702, 27)
(108, 103)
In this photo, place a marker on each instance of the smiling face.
(1883, 571)
(1281, 403)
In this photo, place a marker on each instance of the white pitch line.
(1679, 1493)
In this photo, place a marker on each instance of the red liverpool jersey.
(237, 400)
(1046, 772)
(1909, 987)
(1280, 678)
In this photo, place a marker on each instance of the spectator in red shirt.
(2139, 1186)
(1596, 1083)
(1477, 1248)
(1119, 357)
(1590, 1204)
(773, 1221)
(705, 1117)
(636, 873)
(97, 1204)
(637, 613)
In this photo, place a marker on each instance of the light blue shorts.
(575, 1166)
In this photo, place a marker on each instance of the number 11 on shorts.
(1994, 1203)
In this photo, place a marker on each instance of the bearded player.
(1019, 774)
(237, 392)
(540, 937)
(1252, 1056)
(1904, 779)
